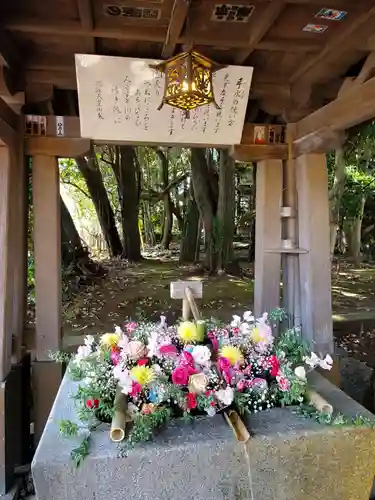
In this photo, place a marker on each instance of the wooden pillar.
(14, 388)
(315, 265)
(290, 261)
(47, 250)
(269, 186)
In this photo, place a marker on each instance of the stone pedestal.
(290, 459)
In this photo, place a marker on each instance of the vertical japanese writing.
(171, 123)
(206, 117)
(237, 97)
(138, 108)
(127, 107)
(99, 99)
(194, 119)
(183, 119)
(117, 114)
(147, 100)
(158, 84)
(223, 93)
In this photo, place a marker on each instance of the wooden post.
(187, 291)
(315, 265)
(14, 389)
(47, 249)
(290, 261)
(269, 186)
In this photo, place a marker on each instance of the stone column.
(269, 184)
(315, 264)
(47, 249)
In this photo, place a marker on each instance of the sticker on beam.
(232, 13)
(331, 14)
(36, 125)
(132, 12)
(315, 28)
(60, 129)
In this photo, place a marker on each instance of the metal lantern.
(188, 81)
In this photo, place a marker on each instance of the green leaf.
(68, 428)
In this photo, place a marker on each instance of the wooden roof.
(296, 71)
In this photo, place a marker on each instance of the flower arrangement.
(186, 370)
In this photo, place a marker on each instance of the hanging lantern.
(188, 81)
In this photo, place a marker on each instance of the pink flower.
(92, 403)
(131, 327)
(213, 339)
(168, 350)
(115, 356)
(191, 400)
(235, 331)
(180, 375)
(283, 383)
(241, 385)
(247, 370)
(186, 359)
(225, 368)
(258, 382)
(136, 389)
(275, 365)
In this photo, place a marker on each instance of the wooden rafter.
(268, 18)
(354, 106)
(179, 14)
(87, 21)
(350, 39)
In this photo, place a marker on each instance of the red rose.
(92, 403)
(275, 365)
(142, 362)
(180, 375)
(191, 400)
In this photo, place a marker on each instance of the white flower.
(123, 343)
(124, 379)
(163, 321)
(326, 363)
(83, 351)
(118, 330)
(157, 369)
(225, 396)
(245, 329)
(300, 372)
(211, 412)
(89, 340)
(248, 316)
(153, 346)
(236, 321)
(313, 360)
(201, 354)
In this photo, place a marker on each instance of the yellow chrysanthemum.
(142, 374)
(232, 354)
(110, 339)
(257, 335)
(191, 332)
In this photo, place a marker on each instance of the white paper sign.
(118, 101)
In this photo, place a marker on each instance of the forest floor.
(129, 290)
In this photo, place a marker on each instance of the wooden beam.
(258, 152)
(87, 21)
(62, 147)
(179, 13)
(267, 19)
(353, 107)
(349, 39)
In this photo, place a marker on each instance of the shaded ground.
(129, 290)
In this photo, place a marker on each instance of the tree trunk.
(252, 206)
(190, 231)
(225, 210)
(126, 172)
(355, 232)
(335, 196)
(71, 244)
(93, 178)
(168, 210)
(203, 183)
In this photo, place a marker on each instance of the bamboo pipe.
(238, 427)
(117, 432)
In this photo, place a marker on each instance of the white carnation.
(201, 355)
